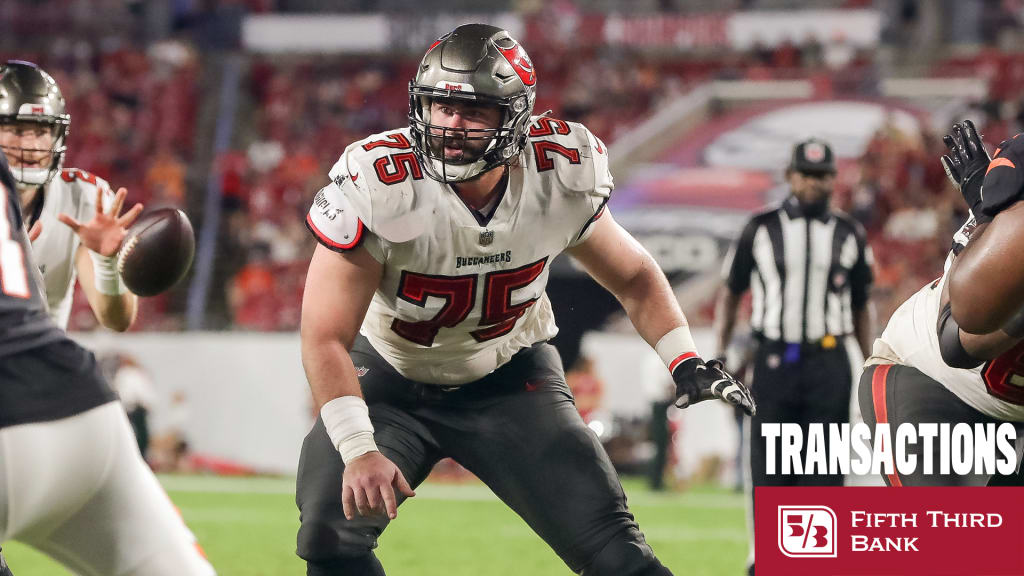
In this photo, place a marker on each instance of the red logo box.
(889, 531)
(807, 531)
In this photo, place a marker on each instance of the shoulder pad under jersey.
(571, 154)
(379, 175)
(82, 186)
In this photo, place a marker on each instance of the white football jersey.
(72, 192)
(995, 388)
(458, 299)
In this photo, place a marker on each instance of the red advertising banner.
(700, 31)
(890, 531)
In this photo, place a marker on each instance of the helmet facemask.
(483, 149)
(35, 166)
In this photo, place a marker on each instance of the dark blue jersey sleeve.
(1004, 180)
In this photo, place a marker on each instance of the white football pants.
(77, 490)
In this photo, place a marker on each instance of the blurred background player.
(72, 482)
(809, 267)
(436, 239)
(925, 368)
(71, 238)
(134, 387)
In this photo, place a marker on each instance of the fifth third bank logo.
(807, 531)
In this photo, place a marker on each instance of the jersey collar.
(791, 206)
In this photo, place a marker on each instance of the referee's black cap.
(813, 156)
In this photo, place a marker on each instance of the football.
(157, 252)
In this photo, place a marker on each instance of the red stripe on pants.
(878, 380)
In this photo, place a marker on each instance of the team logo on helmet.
(438, 41)
(520, 62)
(814, 152)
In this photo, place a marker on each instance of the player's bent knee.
(626, 555)
(327, 541)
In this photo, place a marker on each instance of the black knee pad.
(626, 555)
(326, 541)
(366, 565)
(329, 551)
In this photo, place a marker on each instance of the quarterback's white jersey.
(72, 192)
(995, 388)
(457, 298)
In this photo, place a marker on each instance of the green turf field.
(247, 527)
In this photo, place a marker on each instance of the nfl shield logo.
(486, 237)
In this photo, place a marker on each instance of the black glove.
(966, 162)
(697, 381)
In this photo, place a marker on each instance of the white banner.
(378, 33)
(247, 397)
(319, 34)
(860, 28)
(359, 33)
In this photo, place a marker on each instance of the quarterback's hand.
(966, 162)
(697, 381)
(105, 232)
(368, 486)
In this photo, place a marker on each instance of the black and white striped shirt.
(806, 275)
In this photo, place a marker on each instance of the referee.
(808, 268)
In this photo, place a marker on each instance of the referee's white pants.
(77, 490)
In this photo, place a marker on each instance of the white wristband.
(347, 420)
(676, 346)
(105, 275)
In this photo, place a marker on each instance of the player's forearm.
(967, 307)
(864, 327)
(726, 310)
(986, 281)
(335, 387)
(116, 312)
(650, 304)
(329, 370)
(114, 306)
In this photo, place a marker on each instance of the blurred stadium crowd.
(136, 100)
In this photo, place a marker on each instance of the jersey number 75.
(497, 318)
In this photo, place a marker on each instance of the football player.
(987, 278)
(72, 482)
(425, 319)
(71, 236)
(926, 367)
